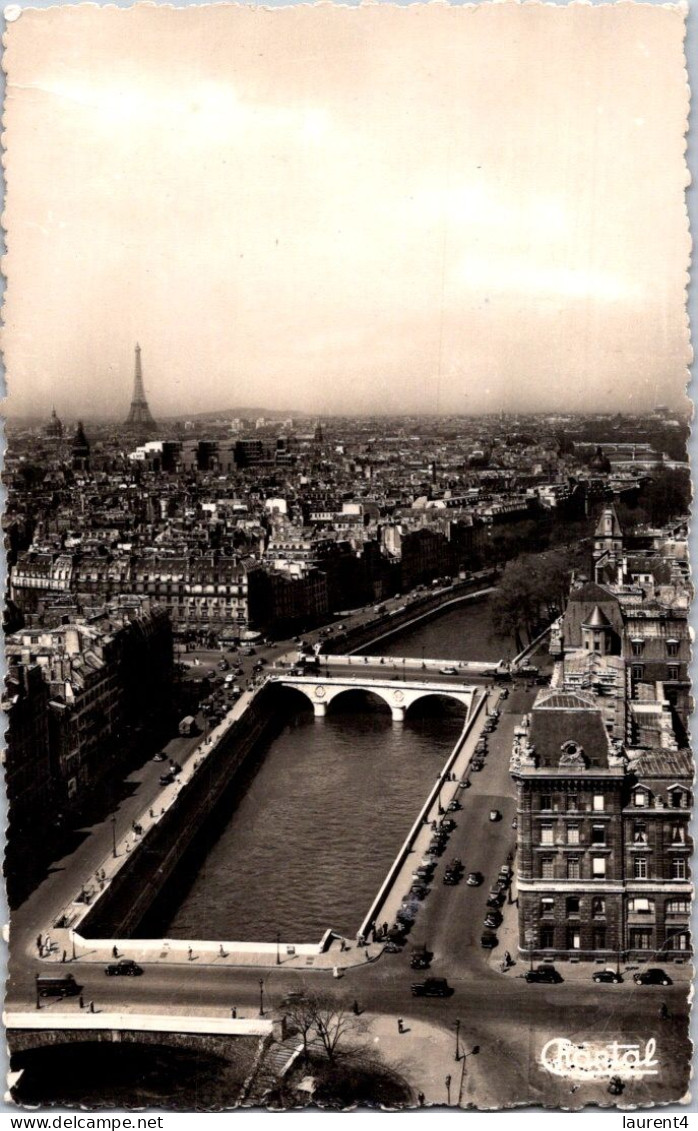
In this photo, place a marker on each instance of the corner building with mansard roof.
(604, 778)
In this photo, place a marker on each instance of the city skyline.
(275, 230)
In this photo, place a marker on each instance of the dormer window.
(640, 799)
(677, 799)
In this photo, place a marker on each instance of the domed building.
(54, 428)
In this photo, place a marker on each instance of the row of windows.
(678, 799)
(637, 647)
(574, 905)
(673, 671)
(677, 834)
(572, 834)
(640, 866)
(639, 938)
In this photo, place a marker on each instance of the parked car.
(493, 919)
(454, 806)
(489, 940)
(167, 779)
(448, 671)
(652, 977)
(546, 974)
(495, 898)
(474, 879)
(432, 987)
(606, 976)
(125, 967)
(495, 815)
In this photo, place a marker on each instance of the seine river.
(320, 820)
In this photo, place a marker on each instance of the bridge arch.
(426, 698)
(373, 695)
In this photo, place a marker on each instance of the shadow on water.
(292, 711)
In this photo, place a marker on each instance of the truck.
(187, 725)
(57, 985)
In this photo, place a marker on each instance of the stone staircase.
(276, 1062)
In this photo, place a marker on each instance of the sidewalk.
(425, 1055)
(173, 952)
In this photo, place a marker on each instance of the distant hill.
(245, 413)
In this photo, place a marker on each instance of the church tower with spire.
(608, 548)
(139, 418)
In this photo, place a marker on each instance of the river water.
(320, 820)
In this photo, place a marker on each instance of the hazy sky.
(328, 209)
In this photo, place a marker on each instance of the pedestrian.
(82, 1001)
(65, 955)
(420, 1098)
(355, 1008)
(221, 951)
(191, 954)
(664, 1011)
(234, 1013)
(39, 943)
(400, 1025)
(92, 1007)
(115, 952)
(342, 945)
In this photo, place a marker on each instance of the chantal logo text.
(599, 1062)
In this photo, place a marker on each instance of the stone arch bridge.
(399, 696)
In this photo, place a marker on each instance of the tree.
(301, 1013)
(332, 1021)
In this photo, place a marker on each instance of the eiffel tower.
(139, 417)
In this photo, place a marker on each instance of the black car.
(432, 987)
(493, 919)
(547, 974)
(489, 940)
(452, 876)
(474, 879)
(607, 976)
(652, 977)
(125, 966)
(421, 959)
(167, 779)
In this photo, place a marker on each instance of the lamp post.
(72, 940)
(278, 943)
(261, 997)
(447, 1082)
(113, 836)
(457, 1038)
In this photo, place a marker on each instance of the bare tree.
(333, 1019)
(301, 1013)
